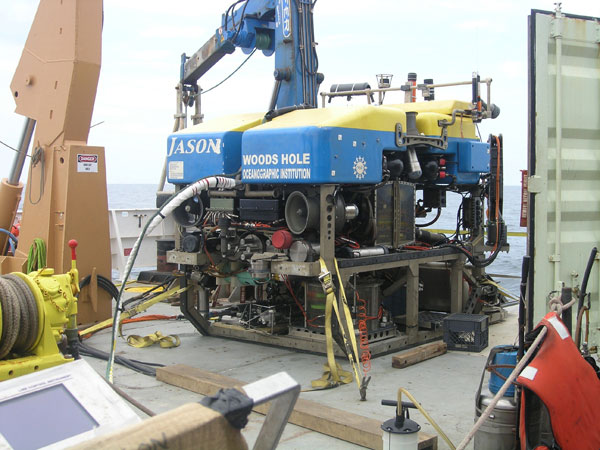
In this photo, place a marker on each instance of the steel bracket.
(402, 139)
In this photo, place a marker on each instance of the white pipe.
(558, 155)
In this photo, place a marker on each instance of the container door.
(564, 156)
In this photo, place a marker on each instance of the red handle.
(73, 245)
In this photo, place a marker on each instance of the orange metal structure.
(55, 84)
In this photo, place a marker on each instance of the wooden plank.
(333, 422)
(418, 354)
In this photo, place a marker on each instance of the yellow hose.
(425, 414)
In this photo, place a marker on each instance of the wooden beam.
(315, 416)
(418, 354)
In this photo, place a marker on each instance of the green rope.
(36, 259)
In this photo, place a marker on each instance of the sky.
(446, 40)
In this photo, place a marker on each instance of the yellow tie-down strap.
(333, 375)
(135, 310)
(169, 341)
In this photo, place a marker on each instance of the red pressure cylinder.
(282, 239)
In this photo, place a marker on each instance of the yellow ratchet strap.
(326, 380)
(352, 356)
(168, 341)
(501, 289)
(331, 375)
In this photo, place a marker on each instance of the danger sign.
(87, 163)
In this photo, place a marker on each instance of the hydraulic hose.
(586, 277)
(281, 111)
(476, 262)
(435, 219)
(425, 414)
(104, 283)
(523, 292)
(583, 293)
(12, 237)
(165, 210)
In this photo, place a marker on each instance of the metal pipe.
(19, 161)
(203, 302)
(489, 95)
(254, 194)
(197, 117)
(558, 155)
(273, 102)
(163, 174)
(453, 120)
(163, 177)
(401, 88)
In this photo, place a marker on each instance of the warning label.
(87, 163)
(176, 170)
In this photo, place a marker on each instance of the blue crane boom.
(282, 27)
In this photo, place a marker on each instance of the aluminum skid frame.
(404, 331)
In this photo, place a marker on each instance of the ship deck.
(444, 385)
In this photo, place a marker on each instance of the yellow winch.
(38, 313)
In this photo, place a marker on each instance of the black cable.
(422, 225)
(12, 148)
(369, 188)
(104, 283)
(139, 366)
(459, 219)
(474, 261)
(239, 28)
(229, 76)
(231, 7)
(38, 156)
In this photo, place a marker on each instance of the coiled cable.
(363, 334)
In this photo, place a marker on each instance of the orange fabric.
(567, 385)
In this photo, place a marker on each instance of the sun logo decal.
(360, 167)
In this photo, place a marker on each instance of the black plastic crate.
(466, 332)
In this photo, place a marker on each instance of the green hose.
(36, 259)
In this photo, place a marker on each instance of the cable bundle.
(144, 368)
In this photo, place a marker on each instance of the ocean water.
(506, 263)
(126, 196)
